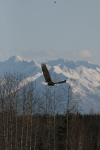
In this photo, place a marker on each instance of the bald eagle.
(47, 77)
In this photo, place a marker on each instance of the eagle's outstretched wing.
(61, 82)
(46, 73)
(47, 76)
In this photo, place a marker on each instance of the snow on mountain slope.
(87, 79)
(15, 58)
(85, 74)
(18, 64)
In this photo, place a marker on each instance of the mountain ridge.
(85, 74)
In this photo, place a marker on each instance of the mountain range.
(85, 74)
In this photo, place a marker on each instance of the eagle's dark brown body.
(47, 76)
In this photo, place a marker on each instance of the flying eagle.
(47, 77)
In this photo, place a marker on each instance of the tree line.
(30, 121)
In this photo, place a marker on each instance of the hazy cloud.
(37, 53)
(30, 53)
(1, 55)
(85, 54)
(52, 54)
(82, 55)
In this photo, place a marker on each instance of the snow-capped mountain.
(85, 74)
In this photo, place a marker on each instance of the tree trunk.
(54, 117)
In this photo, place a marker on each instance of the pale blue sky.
(41, 29)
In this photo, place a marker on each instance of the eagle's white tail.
(44, 83)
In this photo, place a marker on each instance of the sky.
(41, 29)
